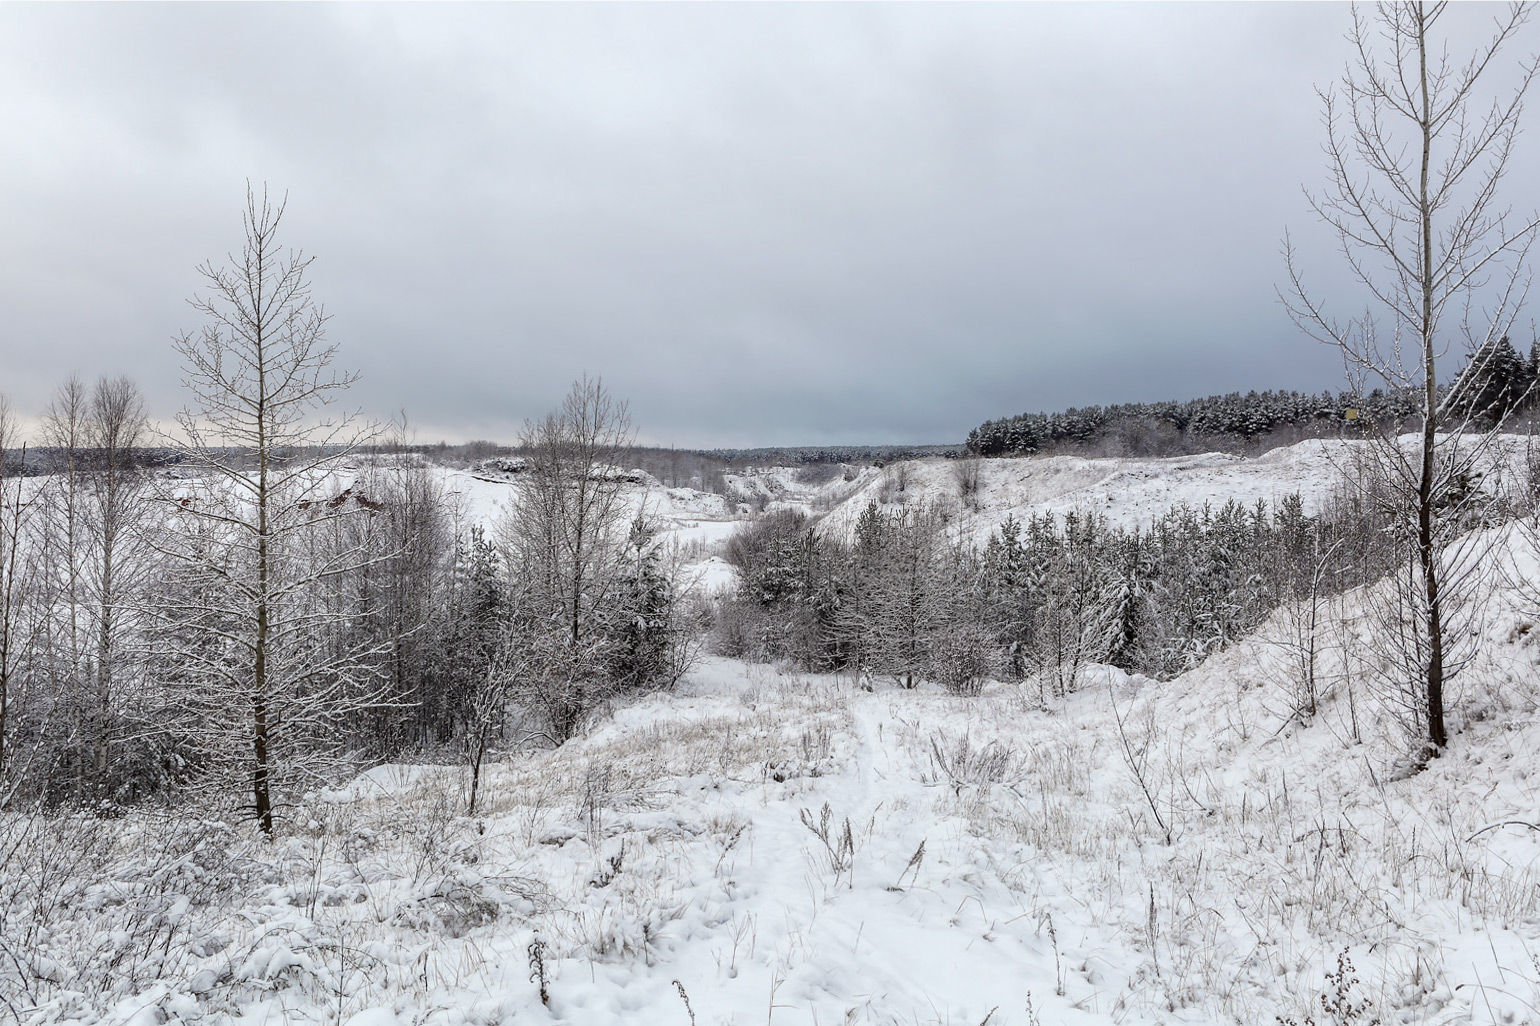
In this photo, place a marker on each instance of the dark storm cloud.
(762, 224)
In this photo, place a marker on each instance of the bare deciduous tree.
(569, 519)
(120, 563)
(410, 555)
(274, 665)
(92, 506)
(565, 535)
(64, 429)
(967, 472)
(1414, 164)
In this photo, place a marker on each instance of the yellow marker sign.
(1350, 414)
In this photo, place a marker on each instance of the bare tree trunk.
(262, 802)
(64, 429)
(1427, 549)
(1421, 237)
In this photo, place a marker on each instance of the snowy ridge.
(1127, 491)
(484, 499)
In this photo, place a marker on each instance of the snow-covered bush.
(101, 908)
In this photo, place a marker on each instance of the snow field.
(686, 839)
(786, 848)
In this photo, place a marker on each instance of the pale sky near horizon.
(759, 224)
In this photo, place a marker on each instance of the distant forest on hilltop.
(1495, 385)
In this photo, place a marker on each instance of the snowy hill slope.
(485, 497)
(1128, 491)
(767, 846)
(809, 490)
(695, 521)
(788, 848)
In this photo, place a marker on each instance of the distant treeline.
(1161, 427)
(672, 467)
(788, 456)
(1495, 383)
(35, 460)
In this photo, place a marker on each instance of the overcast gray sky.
(762, 225)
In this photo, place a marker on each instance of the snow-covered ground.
(684, 513)
(787, 848)
(765, 846)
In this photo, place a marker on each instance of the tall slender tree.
(118, 502)
(261, 376)
(63, 538)
(1416, 150)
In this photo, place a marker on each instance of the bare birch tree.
(27, 597)
(64, 428)
(565, 537)
(120, 561)
(269, 668)
(1415, 157)
(569, 518)
(90, 509)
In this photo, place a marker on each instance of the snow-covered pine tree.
(1493, 384)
